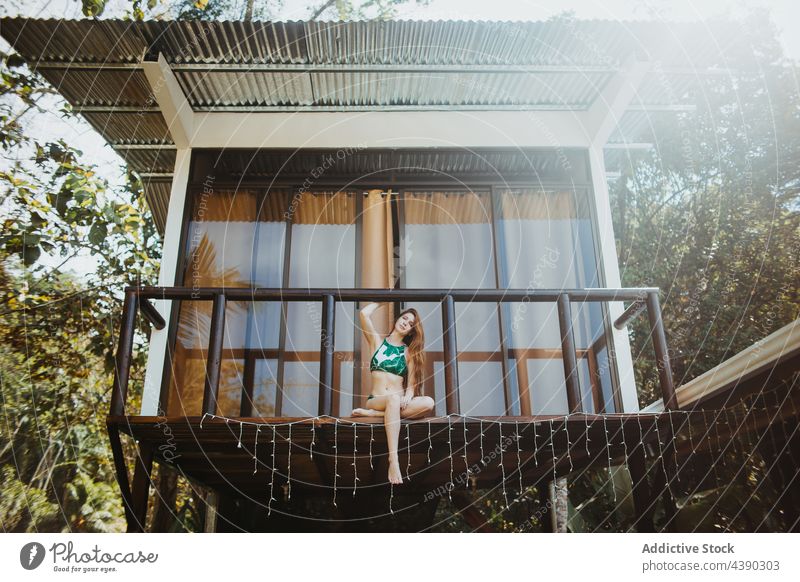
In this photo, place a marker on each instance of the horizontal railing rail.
(138, 299)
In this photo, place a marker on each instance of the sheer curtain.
(545, 242)
(448, 244)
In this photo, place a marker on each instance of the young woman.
(396, 357)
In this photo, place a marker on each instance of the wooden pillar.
(141, 488)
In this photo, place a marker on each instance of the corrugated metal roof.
(402, 64)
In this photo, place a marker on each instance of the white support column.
(166, 278)
(608, 250)
(599, 122)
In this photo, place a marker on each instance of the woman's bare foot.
(366, 412)
(395, 476)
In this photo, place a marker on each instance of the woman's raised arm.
(372, 335)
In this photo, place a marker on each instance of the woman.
(395, 357)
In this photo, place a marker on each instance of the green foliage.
(711, 216)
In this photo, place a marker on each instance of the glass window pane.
(545, 242)
(448, 244)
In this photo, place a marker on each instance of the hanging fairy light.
(553, 450)
(430, 443)
(608, 453)
(569, 445)
(335, 460)
(535, 446)
(355, 462)
(255, 451)
(519, 459)
(450, 447)
(311, 447)
(661, 456)
(480, 427)
(466, 459)
(371, 439)
(408, 451)
(272, 477)
(586, 420)
(239, 445)
(502, 465)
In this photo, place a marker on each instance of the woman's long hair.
(415, 346)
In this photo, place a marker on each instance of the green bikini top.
(389, 358)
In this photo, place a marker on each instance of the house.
(298, 170)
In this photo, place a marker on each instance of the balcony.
(339, 457)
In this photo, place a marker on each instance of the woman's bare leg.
(392, 422)
(419, 407)
(388, 406)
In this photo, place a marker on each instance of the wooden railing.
(138, 299)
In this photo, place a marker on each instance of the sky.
(48, 125)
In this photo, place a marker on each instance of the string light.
(608, 453)
(371, 439)
(255, 451)
(502, 465)
(289, 465)
(519, 460)
(311, 447)
(553, 449)
(624, 445)
(408, 451)
(466, 458)
(272, 477)
(661, 456)
(586, 419)
(430, 443)
(737, 426)
(483, 462)
(355, 462)
(335, 460)
(535, 446)
(450, 447)
(569, 446)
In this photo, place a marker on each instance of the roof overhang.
(151, 87)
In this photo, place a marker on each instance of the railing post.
(568, 354)
(326, 355)
(214, 361)
(122, 366)
(662, 355)
(450, 363)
